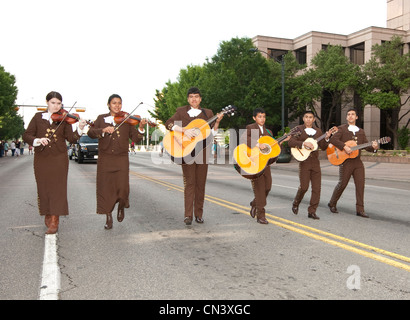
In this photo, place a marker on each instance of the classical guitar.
(250, 162)
(180, 147)
(301, 154)
(337, 157)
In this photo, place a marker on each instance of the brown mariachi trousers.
(351, 167)
(309, 171)
(194, 188)
(261, 188)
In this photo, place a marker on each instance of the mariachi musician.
(309, 169)
(113, 133)
(194, 172)
(352, 166)
(50, 159)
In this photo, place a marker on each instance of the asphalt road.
(152, 254)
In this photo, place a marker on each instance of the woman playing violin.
(114, 131)
(50, 159)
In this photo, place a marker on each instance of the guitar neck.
(209, 121)
(321, 137)
(364, 145)
(332, 131)
(282, 138)
(292, 132)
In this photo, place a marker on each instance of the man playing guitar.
(351, 167)
(309, 169)
(194, 172)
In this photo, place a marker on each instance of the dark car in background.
(85, 149)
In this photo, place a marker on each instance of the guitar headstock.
(229, 110)
(333, 130)
(294, 132)
(384, 140)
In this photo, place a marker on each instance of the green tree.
(238, 76)
(11, 125)
(235, 75)
(296, 88)
(403, 137)
(174, 94)
(388, 74)
(332, 73)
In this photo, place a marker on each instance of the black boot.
(108, 223)
(120, 214)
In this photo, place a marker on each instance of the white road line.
(50, 278)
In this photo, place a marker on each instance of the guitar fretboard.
(365, 145)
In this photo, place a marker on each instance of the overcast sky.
(89, 49)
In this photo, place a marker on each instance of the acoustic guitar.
(250, 162)
(180, 147)
(301, 154)
(337, 157)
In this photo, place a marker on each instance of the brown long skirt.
(51, 176)
(112, 182)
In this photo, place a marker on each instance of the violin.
(132, 120)
(70, 118)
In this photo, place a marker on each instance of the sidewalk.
(374, 170)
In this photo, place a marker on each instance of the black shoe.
(362, 214)
(313, 216)
(108, 223)
(199, 220)
(295, 209)
(188, 221)
(253, 210)
(120, 214)
(333, 209)
(262, 220)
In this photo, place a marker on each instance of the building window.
(326, 46)
(277, 54)
(357, 54)
(301, 55)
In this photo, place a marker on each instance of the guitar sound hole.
(265, 150)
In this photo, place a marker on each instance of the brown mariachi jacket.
(182, 118)
(297, 141)
(116, 143)
(40, 128)
(343, 135)
(251, 137)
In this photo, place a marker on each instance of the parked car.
(85, 149)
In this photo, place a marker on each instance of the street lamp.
(42, 108)
(282, 61)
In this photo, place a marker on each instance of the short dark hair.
(352, 109)
(308, 111)
(258, 110)
(193, 90)
(54, 94)
(113, 96)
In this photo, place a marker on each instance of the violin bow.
(61, 121)
(126, 118)
(65, 116)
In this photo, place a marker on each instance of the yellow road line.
(290, 225)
